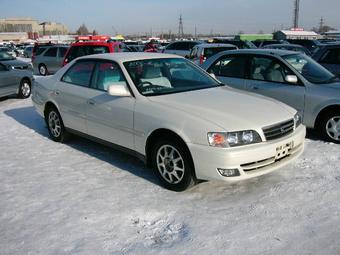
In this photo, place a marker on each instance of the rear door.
(71, 94)
(8, 81)
(331, 60)
(110, 118)
(50, 59)
(230, 70)
(267, 76)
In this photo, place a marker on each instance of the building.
(333, 35)
(32, 26)
(296, 34)
(13, 37)
(253, 37)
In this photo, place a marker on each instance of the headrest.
(151, 72)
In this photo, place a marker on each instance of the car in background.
(291, 47)
(50, 60)
(310, 45)
(14, 79)
(172, 114)
(28, 50)
(261, 43)
(292, 78)
(39, 48)
(79, 49)
(8, 50)
(328, 55)
(238, 43)
(181, 48)
(202, 52)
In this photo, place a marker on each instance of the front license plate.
(283, 150)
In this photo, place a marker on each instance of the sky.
(144, 16)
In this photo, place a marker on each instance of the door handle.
(255, 88)
(57, 92)
(91, 102)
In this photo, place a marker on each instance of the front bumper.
(251, 160)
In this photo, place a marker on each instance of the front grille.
(278, 130)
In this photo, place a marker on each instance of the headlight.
(297, 120)
(231, 139)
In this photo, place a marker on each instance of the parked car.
(171, 114)
(328, 55)
(292, 78)
(14, 80)
(238, 43)
(79, 49)
(50, 60)
(291, 47)
(181, 48)
(8, 51)
(28, 50)
(202, 52)
(310, 45)
(39, 48)
(261, 43)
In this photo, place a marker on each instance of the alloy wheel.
(54, 124)
(333, 128)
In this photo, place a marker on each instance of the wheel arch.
(324, 111)
(161, 133)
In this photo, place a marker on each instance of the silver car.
(290, 77)
(15, 77)
(170, 113)
(181, 48)
(50, 60)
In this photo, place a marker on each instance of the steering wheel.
(145, 84)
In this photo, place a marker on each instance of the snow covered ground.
(84, 198)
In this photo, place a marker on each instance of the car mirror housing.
(118, 90)
(292, 79)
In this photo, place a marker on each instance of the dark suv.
(328, 55)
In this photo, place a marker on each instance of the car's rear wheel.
(43, 70)
(330, 126)
(24, 88)
(55, 125)
(173, 165)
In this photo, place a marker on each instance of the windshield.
(167, 75)
(310, 70)
(5, 56)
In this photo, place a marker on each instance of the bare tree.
(82, 30)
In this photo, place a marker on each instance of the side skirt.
(108, 144)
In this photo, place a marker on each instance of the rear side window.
(51, 52)
(209, 52)
(332, 56)
(79, 74)
(79, 51)
(230, 66)
(172, 46)
(183, 46)
(40, 50)
(62, 51)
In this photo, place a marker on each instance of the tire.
(330, 126)
(169, 155)
(25, 88)
(55, 125)
(43, 70)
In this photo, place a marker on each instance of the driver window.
(268, 69)
(106, 74)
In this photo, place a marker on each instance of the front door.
(110, 118)
(267, 76)
(8, 81)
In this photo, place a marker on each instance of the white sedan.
(172, 114)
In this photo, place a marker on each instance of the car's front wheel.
(43, 70)
(55, 125)
(24, 88)
(330, 126)
(172, 164)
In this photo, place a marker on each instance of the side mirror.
(213, 75)
(292, 79)
(118, 90)
(8, 67)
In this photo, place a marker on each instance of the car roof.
(268, 52)
(215, 45)
(122, 57)
(284, 45)
(95, 43)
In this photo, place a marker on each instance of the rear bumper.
(251, 161)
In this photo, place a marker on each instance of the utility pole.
(296, 13)
(195, 32)
(180, 27)
(322, 24)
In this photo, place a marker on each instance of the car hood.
(17, 64)
(228, 108)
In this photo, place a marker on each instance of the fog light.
(229, 172)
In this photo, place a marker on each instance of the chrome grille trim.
(278, 130)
